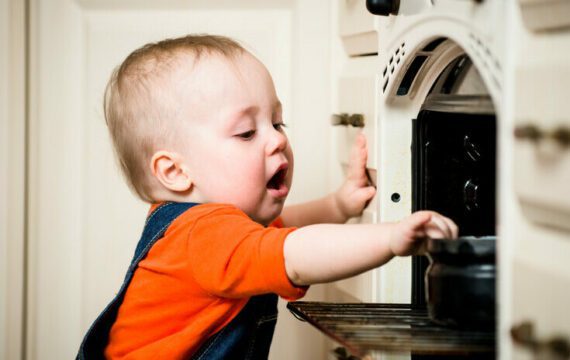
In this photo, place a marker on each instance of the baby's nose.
(277, 142)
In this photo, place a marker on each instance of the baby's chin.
(267, 218)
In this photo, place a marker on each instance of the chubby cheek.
(243, 179)
(291, 160)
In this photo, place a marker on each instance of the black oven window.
(454, 157)
(456, 168)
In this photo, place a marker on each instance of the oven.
(463, 105)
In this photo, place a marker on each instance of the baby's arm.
(327, 252)
(346, 202)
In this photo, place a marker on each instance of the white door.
(12, 176)
(83, 221)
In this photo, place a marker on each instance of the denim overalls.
(247, 336)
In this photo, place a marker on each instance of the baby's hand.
(408, 236)
(356, 191)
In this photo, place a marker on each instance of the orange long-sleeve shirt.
(195, 280)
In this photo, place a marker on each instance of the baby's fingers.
(358, 157)
(364, 194)
(438, 228)
(452, 226)
(418, 220)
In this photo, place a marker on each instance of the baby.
(198, 130)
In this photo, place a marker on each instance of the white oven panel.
(396, 112)
(469, 28)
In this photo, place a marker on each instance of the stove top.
(402, 328)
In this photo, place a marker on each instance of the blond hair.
(140, 112)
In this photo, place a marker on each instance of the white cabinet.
(357, 89)
(541, 15)
(542, 148)
(540, 284)
(534, 223)
(356, 27)
(542, 127)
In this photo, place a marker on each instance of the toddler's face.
(235, 147)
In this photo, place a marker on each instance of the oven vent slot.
(434, 44)
(487, 58)
(416, 65)
(393, 63)
(410, 75)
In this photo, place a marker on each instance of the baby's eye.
(279, 126)
(248, 135)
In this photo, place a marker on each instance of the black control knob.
(383, 7)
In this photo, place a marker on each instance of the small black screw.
(396, 197)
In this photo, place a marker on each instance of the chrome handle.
(356, 120)
(556, 347)
(532, 133)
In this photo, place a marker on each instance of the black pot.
(460, 282)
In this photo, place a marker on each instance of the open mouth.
(277, 181)
(276, 185)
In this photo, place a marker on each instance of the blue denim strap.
(95, 341)
(248, 336)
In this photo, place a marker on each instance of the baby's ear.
(171, 171)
